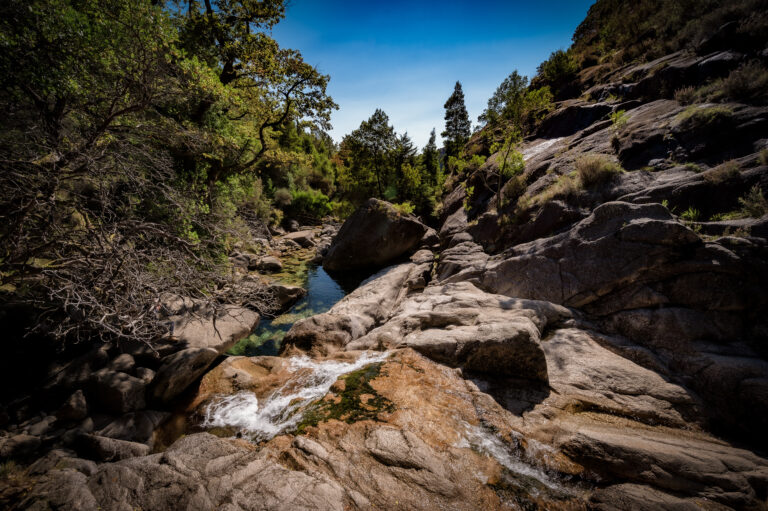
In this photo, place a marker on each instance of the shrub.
(514, 189)
(754, 204)
(596, 168)
(404, 208)
(686, 95)
(308, 205)
(701, 116)
(691, 214)
(692, 167)
(763, 158)
(283, 197)
(748, 83)
(619, 119)
(342, 209)
(722, 172)
(559, 69)
(565, 186)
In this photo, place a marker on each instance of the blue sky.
(405, 57)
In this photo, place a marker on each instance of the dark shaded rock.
(145, 374)
(616, 244)
(372, 236)
(74, 408)
(179, 371)
(101, 448)
(135, 427)
(123, 363)
(575, 117)
(117, 392)
(19, 446)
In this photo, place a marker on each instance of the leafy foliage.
(134, 139)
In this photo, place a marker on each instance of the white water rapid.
(278, 412)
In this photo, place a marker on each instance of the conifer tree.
(457, 125)
(429, 159)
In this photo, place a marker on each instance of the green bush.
(596, 168)
(704, 116)
(747, 83)
(283, 197)
(559, 69)
(308, 205)
(404, 208)
(691, 214)
(754, 203)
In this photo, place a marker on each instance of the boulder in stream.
(374, 235)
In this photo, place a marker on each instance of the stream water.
(323, 291)
(311, 381)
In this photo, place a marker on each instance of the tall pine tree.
(457, 125)
(429, 158)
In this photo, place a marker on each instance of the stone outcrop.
(460, 325)
(373, 236)
(199, 327)
(179, 371)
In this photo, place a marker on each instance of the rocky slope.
(586, 346)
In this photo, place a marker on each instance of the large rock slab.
(374, 235)
(357, 313)
(460, 325)
(200, 327)
(616, 245)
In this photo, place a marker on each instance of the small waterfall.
(281, 410)
(487, 443)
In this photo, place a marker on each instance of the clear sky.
(405, 56)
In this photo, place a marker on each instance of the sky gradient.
(405, 57)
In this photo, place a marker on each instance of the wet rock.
(179, 371)
(373, 236)
(286, 295)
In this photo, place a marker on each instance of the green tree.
(370, 147)
(457, 124)
(514, 103)
(558, 70)
(430, 160)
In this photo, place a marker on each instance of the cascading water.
(282, 409)
(488, 443)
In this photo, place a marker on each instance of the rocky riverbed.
(591, 348)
